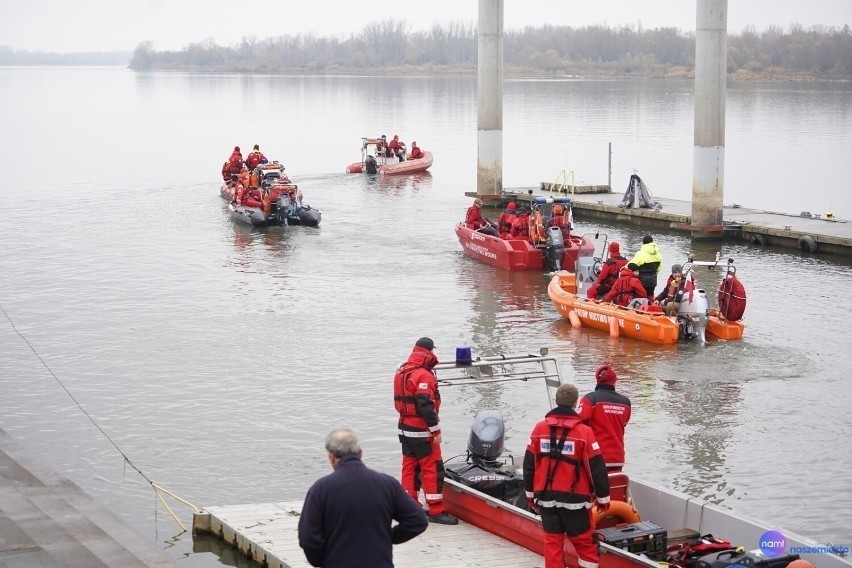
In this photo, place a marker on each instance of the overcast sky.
(109, 25)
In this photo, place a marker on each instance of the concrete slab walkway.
(47, 521)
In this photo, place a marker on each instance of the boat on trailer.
(376, 158)
(694, 320)
(473, 493)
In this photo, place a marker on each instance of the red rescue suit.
(626, 288)
(417, 400)
(474, 219)
(606, 279)
(415, 153)
(607, 412)
(504, 223)
(520, 226)
(563, 470)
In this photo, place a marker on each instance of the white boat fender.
(808, 244)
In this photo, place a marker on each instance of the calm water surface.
(218, 357)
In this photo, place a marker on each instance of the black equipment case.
(639, 538)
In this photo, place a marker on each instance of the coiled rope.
(158, 490)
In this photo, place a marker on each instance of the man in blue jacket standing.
(347, 517)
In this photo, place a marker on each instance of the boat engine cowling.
(482, 470)
(486, 436)
(371, 166)
(555, 248)
(692, 315)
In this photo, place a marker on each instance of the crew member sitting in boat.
(253, 198)
(627, 288)
(396, 148)
(505, 220)
(415, 152)
(474, 219)
(608, 274)
(255, 158)
(560, 219)
(521, 225)
(669, 298)
(234, 164)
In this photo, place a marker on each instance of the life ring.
(537, 232)
(758, 239)
(808, 244)
(619, 509)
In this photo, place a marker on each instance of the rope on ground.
(157, 489)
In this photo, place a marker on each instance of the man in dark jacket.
(607, 412)
(564, 475)
(346, 519)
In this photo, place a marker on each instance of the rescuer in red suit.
(628, 287)
(607, 412)
(235, 162)
(505, 220)
(609, 272)
(564, 475)
(417, 400)
(521, 225)
(474, 219)
(415, 152)
(255, 158)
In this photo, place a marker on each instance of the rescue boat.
(550, 248)
(695, 319)
(646, 525)
(287, 209)
(375, 160)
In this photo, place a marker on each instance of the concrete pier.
(811, 235)
(489, 170)
(708, 176)
(45, 520)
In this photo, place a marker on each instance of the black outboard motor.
(370, 165)
(555, 248)
(482, 470)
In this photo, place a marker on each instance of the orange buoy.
(624, 512)
(613, 326)
(801, 563)
(574, 319)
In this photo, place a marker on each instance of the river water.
(217, 357)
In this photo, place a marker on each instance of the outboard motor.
(692, 315)
(370, 165)
(586, 273)
(482, 469)
(555, 248)
(283, 210)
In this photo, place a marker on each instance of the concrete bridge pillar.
(489, 171)
(708, 175)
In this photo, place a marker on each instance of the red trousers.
(570, 521)
(421, 455)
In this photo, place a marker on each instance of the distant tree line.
(9, 56)
(390, 46)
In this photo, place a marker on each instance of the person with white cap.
(417, 400)
(607, 412)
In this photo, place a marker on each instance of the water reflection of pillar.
(706, 413)
(706, 279)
